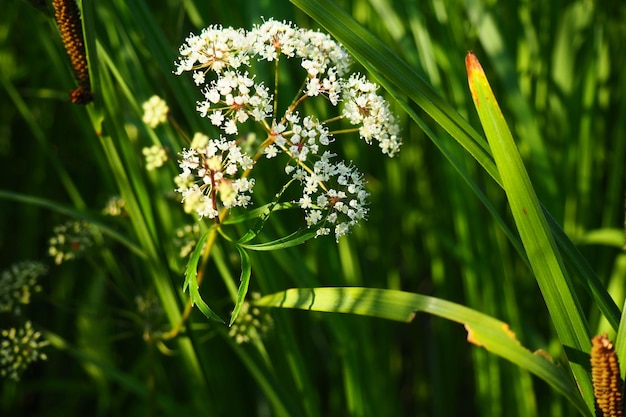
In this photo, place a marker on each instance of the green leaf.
(483, 330)
(620, 340)
(543, 254)
(260, 212)
(246, 270)
(191, 280)
(294, 239)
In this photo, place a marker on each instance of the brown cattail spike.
(67, 16)
(607, 383)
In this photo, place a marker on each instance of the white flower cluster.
(345, 205)
(71, 240)
(115, 206)
(19, 347)
(155, 111)
(156, 157)
(18, 283)
(213, 173)
(333, 192)
(186, 239)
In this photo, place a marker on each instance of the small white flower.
(305, 201)
(198, 77)
(271, 151)
(313, 217)
(313, 87)
(217, 118)
(322, 231)
(115, 206)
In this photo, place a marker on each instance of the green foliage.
(484, 331)
(456, 228)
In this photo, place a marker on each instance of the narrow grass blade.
(191, 280)
(246, 271)
(294, 239)
(75, 214)
(620, 342)
(543, 255)
(483, 330)
(259, 212)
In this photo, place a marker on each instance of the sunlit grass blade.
(608, 237)
(543, 255)
(483, 330)
(492, 41)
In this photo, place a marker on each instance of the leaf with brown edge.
(483, 330)
(473, 339)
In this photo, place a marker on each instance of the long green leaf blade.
(246, 271)
(543, 255)
(483, 330)
(294, 239)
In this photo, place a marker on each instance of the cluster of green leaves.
(441, 237)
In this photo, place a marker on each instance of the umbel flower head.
(19, 347)
(18, 283)
(222, 62)
(155, 111)
(71, 240)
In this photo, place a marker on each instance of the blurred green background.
(557, 69)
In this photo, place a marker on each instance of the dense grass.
(557, 71)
